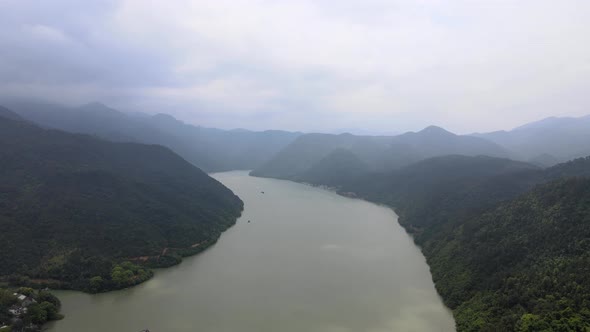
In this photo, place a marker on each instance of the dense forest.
(522, 266)
(78, 212)
(507, 242)
(24, 309)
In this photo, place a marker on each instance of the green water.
(309, 260)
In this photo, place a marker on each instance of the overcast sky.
(325, 65)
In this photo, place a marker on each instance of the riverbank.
(309, 260)
(24, 308)
(506, 243)
(123, 273)
(35, 312)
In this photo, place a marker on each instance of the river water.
(308, 261)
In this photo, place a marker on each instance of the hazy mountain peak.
(94, 105)
(547, 141)
(435, 130)
(6, 113)
(240, 130)
(165, 117)
(99, 108)
(552, 120)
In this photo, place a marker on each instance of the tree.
(50, 310)
(26, 291)
(37, 314)
(96, 283)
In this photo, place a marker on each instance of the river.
(300, 259)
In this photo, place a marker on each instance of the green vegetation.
(76, 212)
(507, 242)
(30, 313)
(524, 265)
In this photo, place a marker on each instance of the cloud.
(305, 65)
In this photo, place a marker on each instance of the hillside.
(6, 113)
(209, 149)
(337, 167)
(72, 207)
(435, 141)
(548, 141)
(504, 256)
(308, 150)
(439, 189)
(523, 266)
(378, 153)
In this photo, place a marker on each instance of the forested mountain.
(378, 153)
(445, 189)
(503, 257)
(548, 141)
(334, 169)
(72, 207)
(208, 149)
(522, 266)
(445, 186)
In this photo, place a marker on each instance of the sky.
(367, 66)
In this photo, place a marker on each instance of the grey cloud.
(305, 65)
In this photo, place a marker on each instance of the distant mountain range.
(311, 152)
(546, 142)
(209, 149)
(288, 155)
(543, 143)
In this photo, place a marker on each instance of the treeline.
(74, 209)
(507, 242)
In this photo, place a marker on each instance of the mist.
(369, 67)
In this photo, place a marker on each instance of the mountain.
(74, 207)
(228, 149)
(379, 153)
(560, 138)
(6, 113)
(337, 167)
(435, 141)
(438, 189)
(309, 149)
(522, 266)
(209, 149)
(506, 241)
(544, 160)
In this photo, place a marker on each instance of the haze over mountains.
(292, 155)
(377, 153)
(546, 142)
(543, 143)
(209, 149)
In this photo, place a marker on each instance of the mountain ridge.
(74, 207)
(379, 153)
